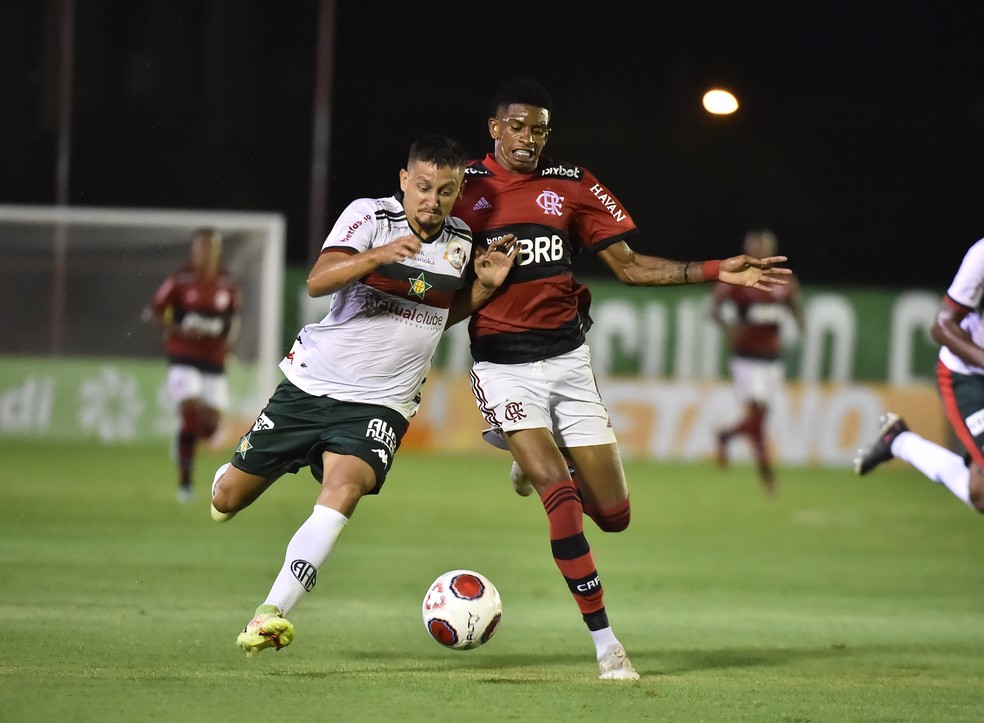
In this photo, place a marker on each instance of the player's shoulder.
(372, 205)
(975, 254)
(374, 210)
(476, 167)
(456, 228)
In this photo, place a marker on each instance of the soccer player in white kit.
(959, 330)
(398, 268)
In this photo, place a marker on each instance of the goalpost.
(76, 360)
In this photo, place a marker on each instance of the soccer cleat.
(520, 482)
(267, 629)
(185, 494)
(216, 515)
(881, 449)
(615, 665)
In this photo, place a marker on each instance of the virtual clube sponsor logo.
(414, 314)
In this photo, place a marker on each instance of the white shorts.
(757, 380)
(559, 394)
(185, 382)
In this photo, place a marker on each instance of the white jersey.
(376, 344)
(966, 289)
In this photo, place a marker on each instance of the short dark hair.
(439, 150)
(522, 90)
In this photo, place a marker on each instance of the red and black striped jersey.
(756, 329)
(203, 304)
(555, 213)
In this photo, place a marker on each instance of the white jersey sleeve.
(376, 343)
(967, 289)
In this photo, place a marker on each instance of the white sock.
(603, 640)
(938, 463)
(306, 553)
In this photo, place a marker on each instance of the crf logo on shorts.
(514, 411)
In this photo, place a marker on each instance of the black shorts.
(963, 402)
(295, 428)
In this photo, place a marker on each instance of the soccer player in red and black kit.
(198, 307)
(532, 374)
(752, 320)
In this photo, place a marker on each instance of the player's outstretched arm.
(636, 269)
(745, 270)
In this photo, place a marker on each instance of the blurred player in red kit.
(198, 308)
(752, 320)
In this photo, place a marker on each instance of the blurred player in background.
(532, 375)
(752, 321)
(198, 308)
(959, 330)
(399, 270)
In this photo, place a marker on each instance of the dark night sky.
(859, 138)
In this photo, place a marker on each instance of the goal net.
(76, 358)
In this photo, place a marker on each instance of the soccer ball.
(462, 609)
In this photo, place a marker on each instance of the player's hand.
(492, 264)
(745, 270)
(398, 250)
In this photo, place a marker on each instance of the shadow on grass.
(517, 668)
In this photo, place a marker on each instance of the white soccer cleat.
(520, 482)
(615, 665)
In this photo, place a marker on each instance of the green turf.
(842, 599)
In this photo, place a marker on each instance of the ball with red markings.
(462, 609)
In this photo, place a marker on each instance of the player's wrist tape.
(711, 270)
(686, 279)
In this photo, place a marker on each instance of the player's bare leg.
(601, 481)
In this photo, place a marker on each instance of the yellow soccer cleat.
(267, 629)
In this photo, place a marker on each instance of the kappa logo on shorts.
(383, 455)
(263, 422)
(514, 411)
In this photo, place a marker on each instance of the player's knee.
(606, 525)
(223, 501)
(977, 499)
(615, 520)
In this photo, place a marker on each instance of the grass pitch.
(841, 599)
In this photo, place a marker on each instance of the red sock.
(187, 439)
(571, 551)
